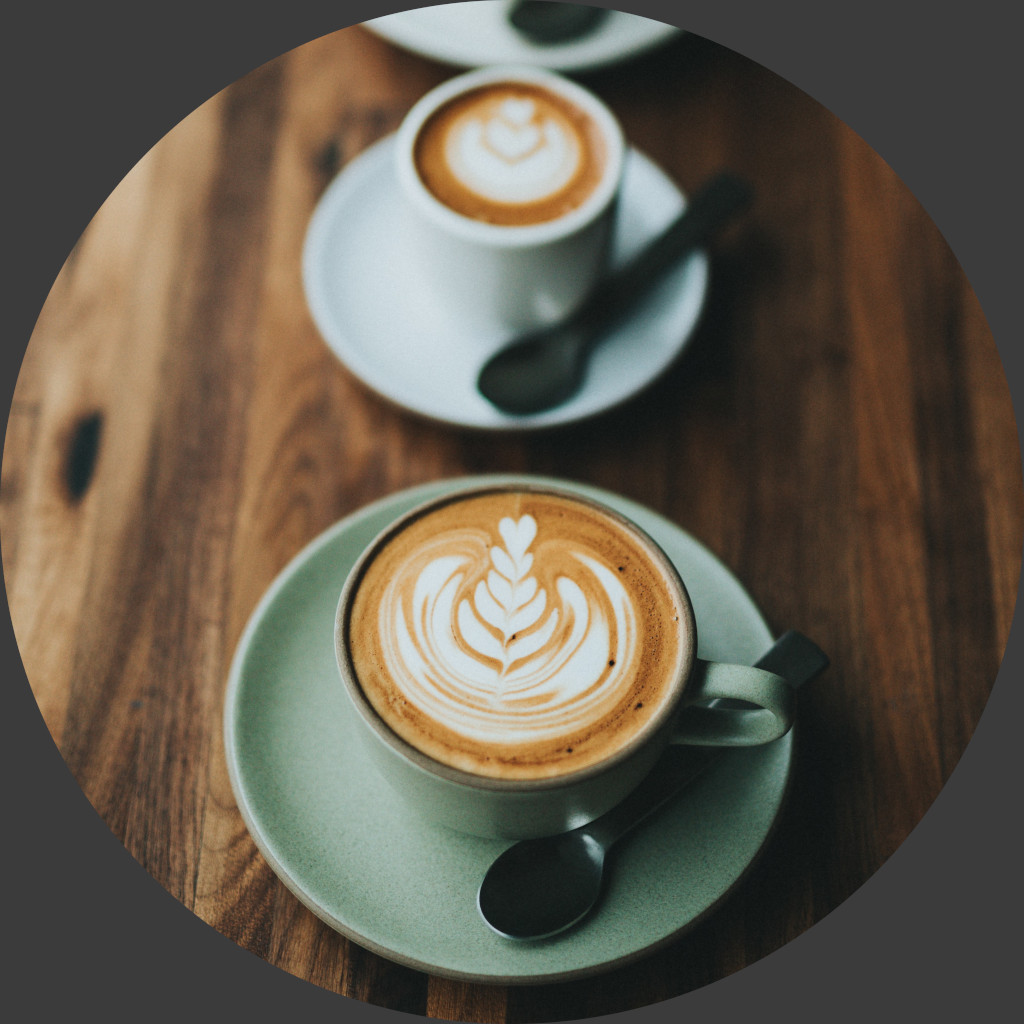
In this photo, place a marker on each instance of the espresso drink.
(511, 153)
(517, 634)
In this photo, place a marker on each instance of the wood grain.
(839, 433)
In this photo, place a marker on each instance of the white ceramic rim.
(503, 236)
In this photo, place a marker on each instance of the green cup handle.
(698, 725)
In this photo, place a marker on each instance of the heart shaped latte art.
(513, 154)
(511, 142)
(517, 111)
(518, 654)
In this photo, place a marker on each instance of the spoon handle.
(708, 209)
(793, 656)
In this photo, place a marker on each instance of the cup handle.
(729, 726)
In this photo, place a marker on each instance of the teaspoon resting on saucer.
(540, 887)
(547, 23)
(546, 367)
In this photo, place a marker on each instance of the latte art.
(512, 156)
(501, 637)
(510, 153)
(507, 661)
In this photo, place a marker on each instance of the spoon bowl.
(565, 875)
(540, 372)
(547, 23)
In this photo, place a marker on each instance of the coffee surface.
(510, 153)
(516, 634)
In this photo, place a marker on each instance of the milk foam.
(511, 662)
(511, 153)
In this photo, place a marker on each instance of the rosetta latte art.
(500, 645)
(513, 154)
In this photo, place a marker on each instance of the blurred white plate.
(473, 34)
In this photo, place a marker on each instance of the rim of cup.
(662, 719)
(511, 235)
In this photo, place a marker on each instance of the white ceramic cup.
(525, 808)
(516, 276)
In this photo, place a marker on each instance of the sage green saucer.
(338, 838)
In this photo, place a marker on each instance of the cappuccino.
(511, 153)
(517, 633)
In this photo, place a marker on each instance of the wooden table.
(839, 433)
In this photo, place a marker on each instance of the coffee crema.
(516, 634)
(510, 153)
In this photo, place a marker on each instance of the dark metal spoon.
(545, 368)
(542, 21)
(539, 887)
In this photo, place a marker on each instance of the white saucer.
(341, 840)
(380, 318)
(473, 34)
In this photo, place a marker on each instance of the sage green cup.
(518, 808)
